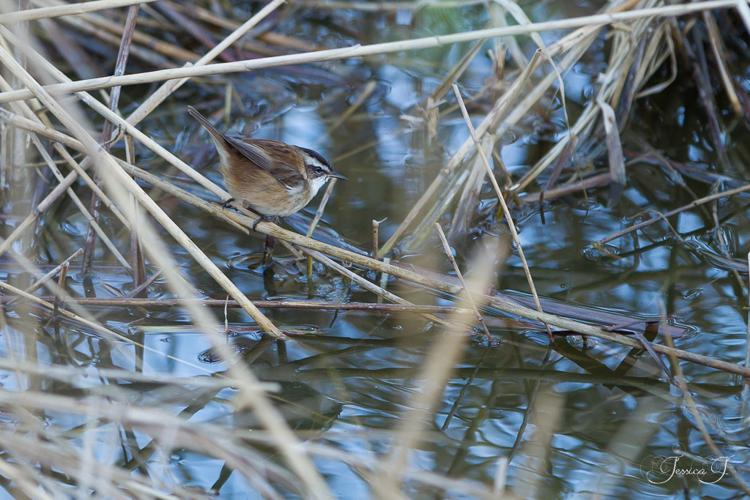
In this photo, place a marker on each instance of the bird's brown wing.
(280, 170)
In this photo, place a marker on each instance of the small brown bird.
(271, 178)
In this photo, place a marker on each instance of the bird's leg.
(268, 249)
(269, 244)
(227, 203)
(261, 218)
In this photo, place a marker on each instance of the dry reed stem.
(321, 207)
(306, 305)
(717, 47)
(576, 52)
(497, 112)
(623, 61)
(460, 276)
(76, 375)
(470, 195)
(361, 98)
(66, 10)
(123, 52)
(53, 272)
(366, 284)
(670, 213)
(95, 22)
(597, 21)
(41, 129)
(80, 314)
(112, 167)
(79, 204)
(744, 12)
(113, 117)
(170, 431)
(501, 200)
(577, 42)
(442, 358)
(37, 212)
(144, 54)
(423, 279)
(699, 420)
(318, 215)
(250, 394)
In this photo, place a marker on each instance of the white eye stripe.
(314, 162)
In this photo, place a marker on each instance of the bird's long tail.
(217, 136)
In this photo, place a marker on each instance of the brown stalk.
(114, 99)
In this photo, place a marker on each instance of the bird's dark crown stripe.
(317, 156)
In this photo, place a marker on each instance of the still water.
(614, 420)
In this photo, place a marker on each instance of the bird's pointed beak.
(338, 176)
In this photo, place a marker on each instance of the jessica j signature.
(660, 470)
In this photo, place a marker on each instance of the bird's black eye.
(318, 170)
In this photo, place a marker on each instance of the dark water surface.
(349, 383)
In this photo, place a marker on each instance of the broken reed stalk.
(596, 21)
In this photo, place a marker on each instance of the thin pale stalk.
(460, 276)
(53, 272)
(95, 226)
(171, 86)
(66, 10)
(307, 305)
(670, 213)
(501, 199)
(444, 353)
